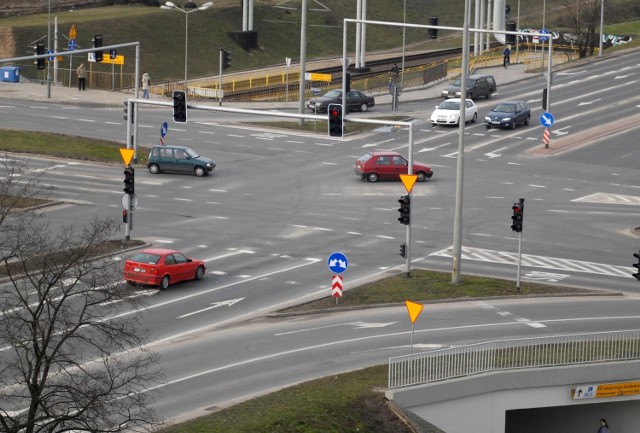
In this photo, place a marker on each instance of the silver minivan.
(178, 159)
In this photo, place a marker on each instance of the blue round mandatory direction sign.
(546, 119)
(338, 263)
(544, 38)
(163, 129)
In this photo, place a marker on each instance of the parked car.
(356, 100)
(508, 114)
(477, 85)
(448, 112)
(178, 159)
(388, 165)
(162, 267)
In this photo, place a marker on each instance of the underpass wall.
(525, 401)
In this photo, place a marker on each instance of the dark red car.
(161, 267)
(388, 165)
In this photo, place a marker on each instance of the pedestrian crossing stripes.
(483, 255)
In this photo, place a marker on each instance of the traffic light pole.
(519, 260)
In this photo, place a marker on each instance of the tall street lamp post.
(171, 5)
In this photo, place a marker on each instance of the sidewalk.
(90, 97)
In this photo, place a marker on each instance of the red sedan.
(161, 267)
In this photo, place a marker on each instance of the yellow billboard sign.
(312, 76)
(119, 60)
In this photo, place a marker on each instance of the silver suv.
(179, 159)
(477, 85)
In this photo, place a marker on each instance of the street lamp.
(171, 5)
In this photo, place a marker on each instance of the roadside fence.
(548, 351)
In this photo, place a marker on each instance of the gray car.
(477, 85)
(178, 159)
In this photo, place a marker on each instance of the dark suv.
(477, 85)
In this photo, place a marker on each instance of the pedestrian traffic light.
(637, 266)
(179, 106)
(336, 128)
(226, 58)
(39, 52)
(405, 209)
(433, 21)
(518, 216)
(129, 180)
(125, 216)
(97, 43)
(403, 250)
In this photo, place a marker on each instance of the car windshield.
(333, 94)
(191, 152)
(449, 105)
(143, 257)
(505, 108)
(364, 158)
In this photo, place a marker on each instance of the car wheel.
(164, 283)
(199, 171)
(526, 121)
(469, 95)
(474, 118)
(154, 169)
(131, 283)
(422, 176)
(488, 126)
(513, 124)
(372, 177)
(199, 273)
(488, 95)
(364, 107)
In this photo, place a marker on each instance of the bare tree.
(72, 354)
(583, 18)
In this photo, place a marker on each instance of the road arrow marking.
(367, 325)
(228, 303)
(590, 102)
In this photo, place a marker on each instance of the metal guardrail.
(549, 351)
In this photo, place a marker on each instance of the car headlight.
(506, 119)
(487, 119)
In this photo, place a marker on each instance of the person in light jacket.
(146, 82)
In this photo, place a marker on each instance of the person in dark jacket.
(506, 56)
(604, 427)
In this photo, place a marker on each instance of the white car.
(448, 112)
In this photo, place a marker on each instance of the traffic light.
(97, 43)
(433, 21)
(403, 250)
(226, 58)
(405, 209)
(347, 84)
(39, 52)
(544, 98)
(125, 216)
(637, 266)
(510, 39)
(336, 128)
(518, 216)
(129, 180)
(126, 112)
(179, 106)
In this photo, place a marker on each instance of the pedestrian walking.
(506, 56)
(146, 82)
(82, 77)
(604, 427)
